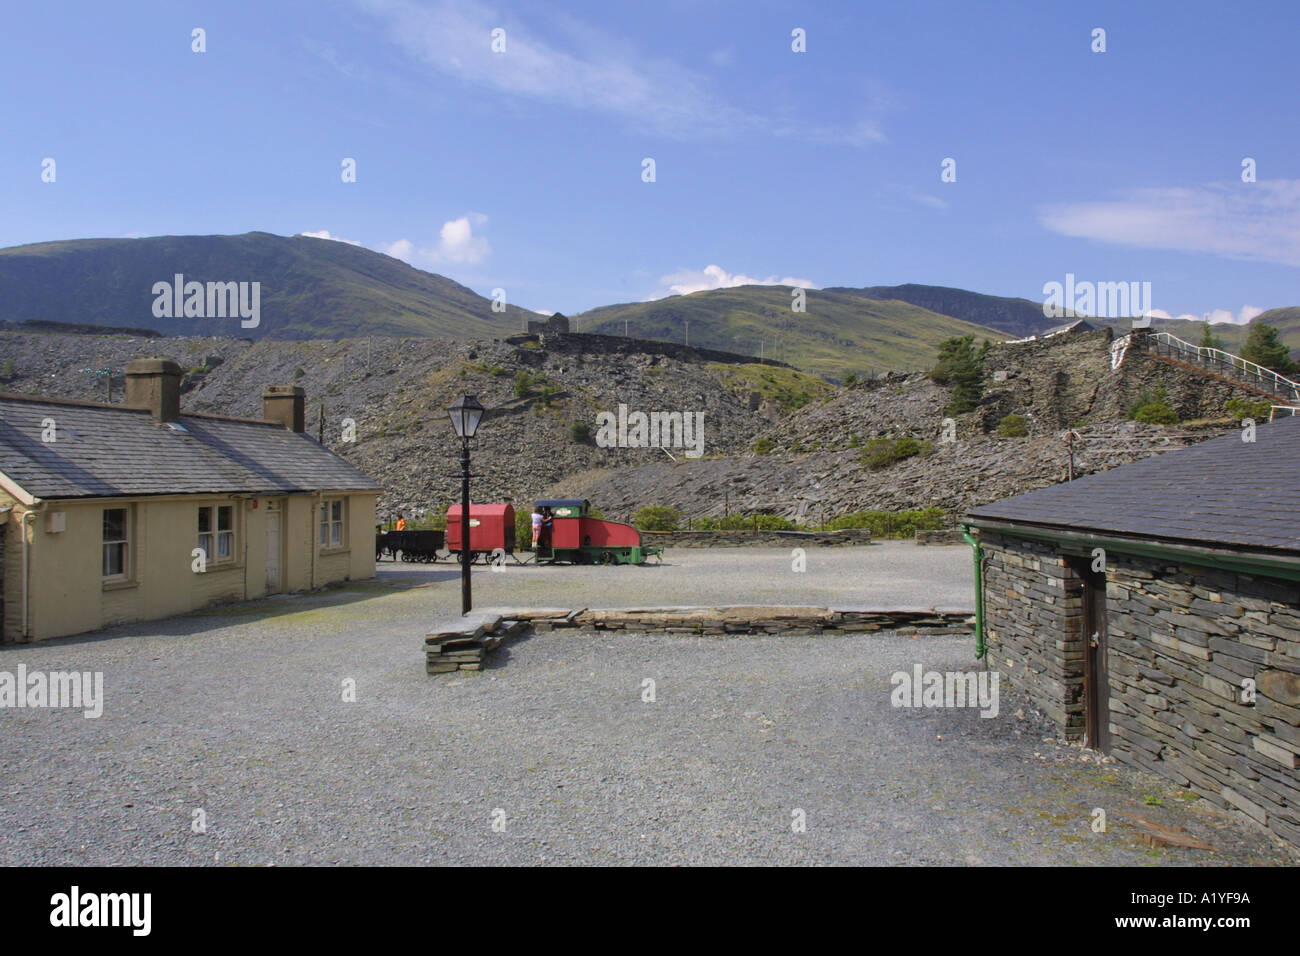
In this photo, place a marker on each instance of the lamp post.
(465, 414)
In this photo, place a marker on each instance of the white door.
(272, 547)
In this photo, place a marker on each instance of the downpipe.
(981, 648)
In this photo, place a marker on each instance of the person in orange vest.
(401, 522)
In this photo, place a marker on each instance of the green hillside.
(1018, 317)
(310, 288)
(840, 333)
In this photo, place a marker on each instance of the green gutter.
(1255, 564)
(980, 648)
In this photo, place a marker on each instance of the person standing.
(401, 522)
(537, 527)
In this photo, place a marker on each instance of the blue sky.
(523, 169)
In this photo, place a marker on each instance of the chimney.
(155, 384)
(285, 404)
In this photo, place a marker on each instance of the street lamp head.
(465, 413)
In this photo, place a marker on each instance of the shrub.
(657, 518)
(740, 522)
(523, 383)
(298, 372)
(850, 380)
(891, 524)
(580, 432)
(1243, 408)
(880, 453)
(1013, 426)
(763, 446)
(1152, 408)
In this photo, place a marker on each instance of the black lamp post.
(465, 413)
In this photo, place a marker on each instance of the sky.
(524, 167)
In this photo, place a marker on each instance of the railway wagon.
(417, 546)
(490, 527)
(576, 537)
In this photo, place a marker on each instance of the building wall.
(1033, 624)
(1182, 639)
(68, 594)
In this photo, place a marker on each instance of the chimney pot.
(155, 384)
(285, 404)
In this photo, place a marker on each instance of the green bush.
(763, 446)
(880, 453)
(850, 380)
(1242, 408)
(739, 522)
(1152, 408)
(523, 383)
(891, 524)
(580, 432)
(657, 518)
(1013, 426)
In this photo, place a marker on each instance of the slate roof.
(1225, 493)
(108, 450)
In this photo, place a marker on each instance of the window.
(217, 532)
(117, 542)
(331, 523)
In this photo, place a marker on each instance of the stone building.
(1154, 611)
(557, 324)
(112, 513)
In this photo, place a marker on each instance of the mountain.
(839, 332)
(308, 288)
(1019, 317)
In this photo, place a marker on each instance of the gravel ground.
(239, 712)
(891, 575)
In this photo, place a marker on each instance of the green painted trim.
(1260, 565)
(980, 648)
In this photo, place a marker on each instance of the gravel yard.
(239, 712)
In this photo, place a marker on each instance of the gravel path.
(891, 575)
(239, 713)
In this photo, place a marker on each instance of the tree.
(962, 367)
(1208, 339)
(1263, 347)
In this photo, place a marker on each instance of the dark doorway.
(1096, 679)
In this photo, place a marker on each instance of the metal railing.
(1224, 363)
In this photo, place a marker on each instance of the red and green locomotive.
(570, 534)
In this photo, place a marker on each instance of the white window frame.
(216, 535)
(124, 543)
(333, 525)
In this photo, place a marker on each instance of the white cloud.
(1214, 316)
(586, 69)
(456, 244)
(325, 234)
(1257, 221)
(715, 277)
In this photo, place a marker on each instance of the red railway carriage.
(490, 527)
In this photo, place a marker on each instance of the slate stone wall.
(1182, 640)
(1033, 624)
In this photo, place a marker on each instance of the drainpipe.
(27, 571)
(980, 648)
